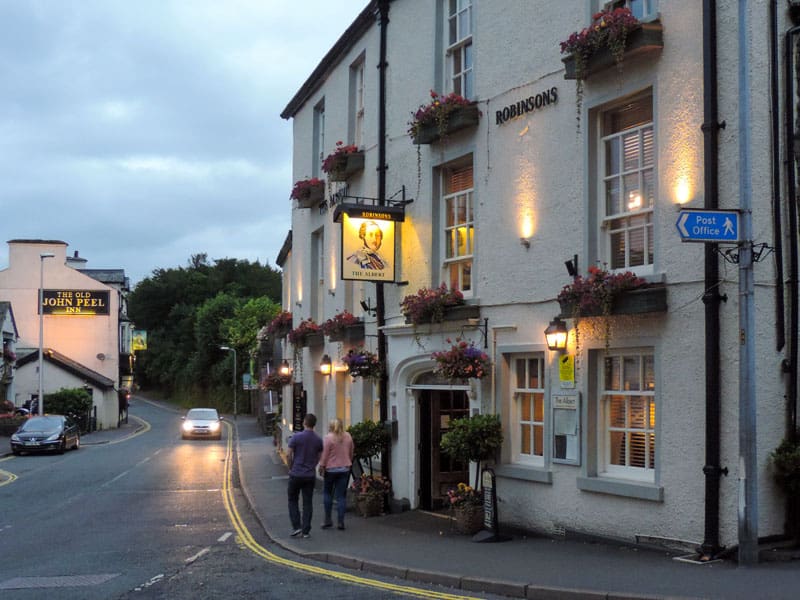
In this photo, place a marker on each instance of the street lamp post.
(234, 376)
(42, 256)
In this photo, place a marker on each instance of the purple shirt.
(306, 447)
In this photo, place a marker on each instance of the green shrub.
(369, 440)
(473, 439)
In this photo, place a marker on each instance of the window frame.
(649, 8)
(319, 139)
(459, 51)
(515, 393)
(449, 232)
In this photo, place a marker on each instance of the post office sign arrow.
(698, 225)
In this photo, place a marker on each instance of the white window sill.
(619, 487)
(525, 473)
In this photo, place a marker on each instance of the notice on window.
(566, 428)
(566, 371)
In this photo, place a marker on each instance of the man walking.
(303, 455)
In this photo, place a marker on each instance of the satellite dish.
(101, 356)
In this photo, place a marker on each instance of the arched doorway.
(438, 406)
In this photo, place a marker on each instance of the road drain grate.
(22, 583)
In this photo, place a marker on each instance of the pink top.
(337, 452)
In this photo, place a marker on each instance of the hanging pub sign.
(368, 241)
(75, 302)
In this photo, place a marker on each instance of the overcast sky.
(141, 132)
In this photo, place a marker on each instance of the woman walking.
(334, 466)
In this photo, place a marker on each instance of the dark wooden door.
(438, 472)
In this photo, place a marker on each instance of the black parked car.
(50, 433)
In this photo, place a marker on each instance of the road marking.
(246, 538)
(202, 552)
(8, 477)
(224, 537)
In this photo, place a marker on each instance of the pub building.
(86, 332)
(546, 180)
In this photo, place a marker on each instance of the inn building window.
(459, 228)
(528, 401)
(319, 139)
(357, 102)
(641, 9)
(459, 47)
(627, 185)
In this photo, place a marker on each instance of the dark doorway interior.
(438, 472)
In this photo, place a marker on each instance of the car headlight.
(214, 426)
(54, 437)
(15, 438)
(188, 426)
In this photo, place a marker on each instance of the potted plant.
(369, 440)
(342, 325)
(442, 116)
(362, 363)
(785, 462)
(612, 35)
(429, 305)
(462, 361)
(344, 161)
(467, 506)
(307, 333)
(308, 192)
(473, 439)
(280, 325)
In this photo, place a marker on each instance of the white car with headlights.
(202, 423)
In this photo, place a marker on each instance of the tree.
(473, 439)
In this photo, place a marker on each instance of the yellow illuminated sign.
(75, 302)
(368, 248)
(139, 340)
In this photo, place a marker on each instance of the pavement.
(424, 547)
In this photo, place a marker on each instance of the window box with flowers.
(280, 325)
(343, 162)
(442, 116)
(467, 506)
(344, 327)
(308, 192)
(434, 305)
(307, 333)
(362, 363)
(275, 382)
(601, 293)
(462, 361)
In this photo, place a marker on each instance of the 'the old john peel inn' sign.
(75, 302)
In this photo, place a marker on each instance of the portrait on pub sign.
(367, 249)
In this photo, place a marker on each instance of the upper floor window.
(319, 139)
(641, 9)
(459, 47)
(357, 74)
(628, 415)
(459, 228)
(628, 185)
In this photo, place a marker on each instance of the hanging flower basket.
(280, 325)
(441, 117)
(429, 305)
(362, 363)
(462, 361)
(275, 382)
(307, 333)
(343, 162)
(342, 325)
(308, 192)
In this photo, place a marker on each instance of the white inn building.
(658, 419)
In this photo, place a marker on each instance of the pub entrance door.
(438, 472)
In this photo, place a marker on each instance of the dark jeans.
(335, 484)
(306, 486)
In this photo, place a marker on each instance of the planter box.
(646, 300)
(462, 312)
(313, 339)
(460, 118)
(647, 39)
(314, 198)
(351, 334)
(346, 165)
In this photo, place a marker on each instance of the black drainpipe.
(711, 298)
(380, 303)
(777, 227)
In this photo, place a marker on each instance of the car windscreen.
(42, 424)
(202, 415)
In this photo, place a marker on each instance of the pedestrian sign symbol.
(708, 226)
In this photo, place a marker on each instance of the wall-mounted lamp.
(368, 308)
(326, 366)
(331, 292)
(525, 243)
(572, 266)
(284, 368)
(556, 335)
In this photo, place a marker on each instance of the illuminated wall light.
(526, 226)
(683, 190)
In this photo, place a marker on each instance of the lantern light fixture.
(284, 368)
(326, 366)
(556, 335)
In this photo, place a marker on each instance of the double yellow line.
(246, 539)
